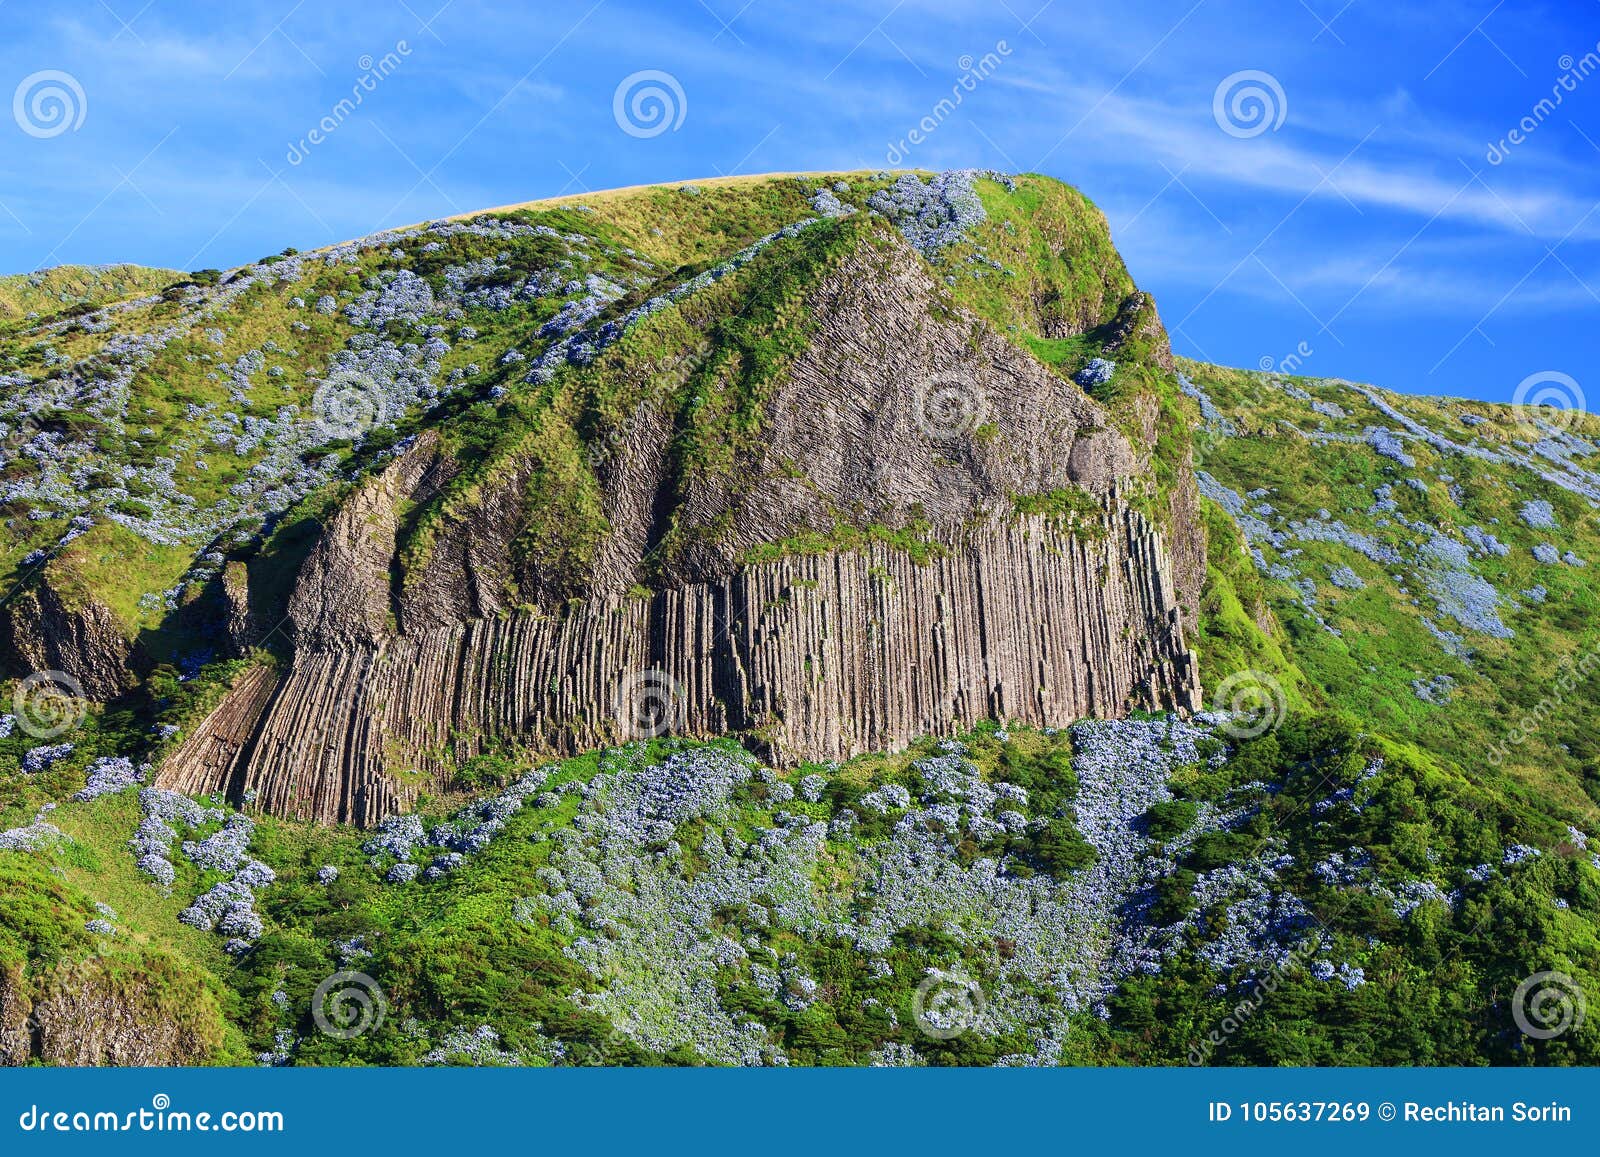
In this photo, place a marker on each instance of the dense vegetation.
(1310, 896)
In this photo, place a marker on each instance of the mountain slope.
(619, 488)
(1429, 560)
(76, 288)
(697, 594)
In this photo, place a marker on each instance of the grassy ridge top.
(52, 291)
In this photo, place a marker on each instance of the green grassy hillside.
(76, 288)
(1428, 560)
(1373, 849)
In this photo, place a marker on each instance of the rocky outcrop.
(342, 597)
(16, 1044)
(220, 739)
(44, 630)
(899, 407)
(238, 623)
(1137, 331)
(97, 1013)
(898, 403)
(470, 570)
(1137, 322)
(901, 417)
(820, 656)
(135, 1012)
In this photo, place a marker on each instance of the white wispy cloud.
(1366, 173)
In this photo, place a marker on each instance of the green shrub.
(1168, 821)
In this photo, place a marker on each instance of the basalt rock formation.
(870, 568)
(819, 657)
(819, 466)
(43, 630)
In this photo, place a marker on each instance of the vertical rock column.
(820, 656)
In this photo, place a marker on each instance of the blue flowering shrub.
(1107, 892)
(1394, 879)
(1400, 548)
(1110, 892)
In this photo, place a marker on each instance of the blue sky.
(1362, 226)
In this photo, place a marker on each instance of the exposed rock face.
(1137, 319)
(470, 572)
(899, 406)
(44, 631)
(219, 741)
(15, 1043)
(93, 1016)
(898, 402)
(823, 656)
(342, 597)
(95, 1012)
(238, 623)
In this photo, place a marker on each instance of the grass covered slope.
(1114, 893)
(1368, 870)
(76, 288)
(1430, 562)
